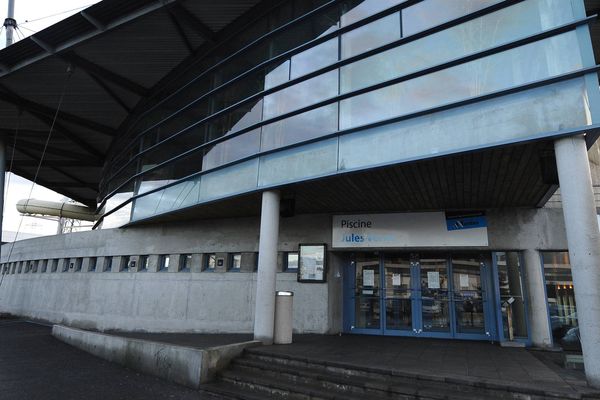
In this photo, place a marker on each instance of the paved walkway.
(36, 366)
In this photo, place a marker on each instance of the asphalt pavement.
(34, 365)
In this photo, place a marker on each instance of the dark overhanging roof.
(118, 53)
(107, 59)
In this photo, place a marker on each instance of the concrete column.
(264, 314)
(583, 237)
(538, 311)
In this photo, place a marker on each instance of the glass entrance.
(420, 295)
(397, 293)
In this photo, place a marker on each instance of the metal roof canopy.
(121, 53)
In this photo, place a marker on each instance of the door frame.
(488, 288)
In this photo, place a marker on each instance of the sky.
(32, 16)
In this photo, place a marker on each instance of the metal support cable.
(39, 166)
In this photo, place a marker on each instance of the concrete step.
(256, 384)
(462, 387)
(363, 387)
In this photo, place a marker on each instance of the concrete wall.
(219, 301)
(198, 301)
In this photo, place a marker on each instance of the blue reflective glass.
(302, 94)
(305, 126)
(232, 149)
(501, 120)
(508, 24)
(428, 13)
(315, 58)
(367, 8)
(371, 36)
(554, 56)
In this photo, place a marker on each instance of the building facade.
(393, 163)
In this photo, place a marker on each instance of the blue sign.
(467, 222)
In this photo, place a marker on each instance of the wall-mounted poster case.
(312, 263)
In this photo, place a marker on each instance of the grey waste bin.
(283, 317)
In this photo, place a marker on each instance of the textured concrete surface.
(466, 360)
(188, 366)
(36, 366)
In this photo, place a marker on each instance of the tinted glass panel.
(302, 94)
(358, 10)
(472, 36)
(305, 126)
(430, 13)
(561, 300)
(314, 58)
(489, 74)
(371, 36)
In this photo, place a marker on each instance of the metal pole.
(9, 23)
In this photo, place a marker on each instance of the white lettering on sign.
(424, 229)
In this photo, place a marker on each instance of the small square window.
(54, 265)
(143, 260)
(164, 263)
(236, 262)
(125, 260)
(66, 263)
(44, 267)
(20, 267)
(35, 266)
(186, 262)
(211, 262)
(78, 264)
(291, 262)
(107, 264)
(92, 264)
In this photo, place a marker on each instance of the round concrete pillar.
(583, 237)
(538, 311)
(264, 312)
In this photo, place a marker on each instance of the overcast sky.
(33, 16)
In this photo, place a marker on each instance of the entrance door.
(435, 296)
(468, 300)
(397, 294)
(367, 294)
(431, 295)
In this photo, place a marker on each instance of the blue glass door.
(367, 294)
(398, 298)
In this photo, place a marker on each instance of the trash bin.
(283, 317)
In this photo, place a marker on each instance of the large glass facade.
(310, 69)
(561, 300)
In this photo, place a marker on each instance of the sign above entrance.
(426, 229)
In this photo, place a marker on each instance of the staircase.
(260, 375)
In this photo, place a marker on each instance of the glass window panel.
(231, 180)
(367, 306)
(305, 126)
(174, 197)
(561, 300)
(278, 75)
(371, 36)
(512, 302)
(315, 58)
(232, 149)
(236, 261)
(365, 9)
(555, 55)
(291, 262)
(298, 163)
(170, 172)
(470, 37)
(428, 13)
(211, 261)
(235, 120)
(500, 120)
(302, 94)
